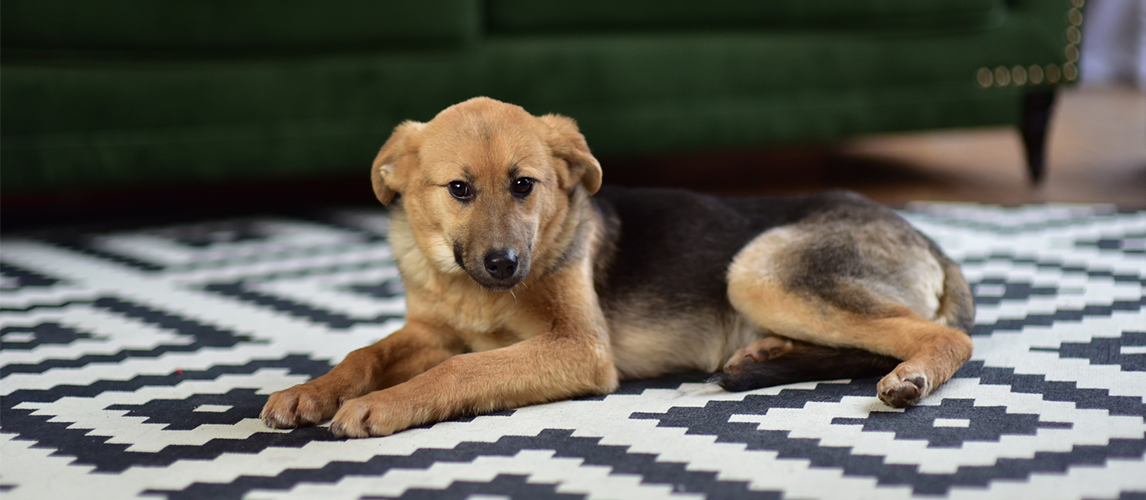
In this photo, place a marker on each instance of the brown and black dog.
(527, 282)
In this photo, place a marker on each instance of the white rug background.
(134, 362)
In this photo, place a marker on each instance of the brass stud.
(1075, 17)
(1071, 53)
(1053, 73)
(1002, 77)
(1070, 71)
(1019, 75)
(1073, 35)
(1035, 73)
(984, 77)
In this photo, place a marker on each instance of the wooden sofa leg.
(1036, 115)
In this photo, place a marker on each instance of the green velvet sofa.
(139, 92)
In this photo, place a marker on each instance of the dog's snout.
(501, 264)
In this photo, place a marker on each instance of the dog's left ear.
(387, 172)
(567, 143)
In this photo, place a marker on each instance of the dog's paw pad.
(901, 392)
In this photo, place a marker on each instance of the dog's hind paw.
(902, 390)
(753, 367)
(756, 352)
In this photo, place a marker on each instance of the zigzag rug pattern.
(134, 362)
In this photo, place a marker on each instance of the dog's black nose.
(501, 264)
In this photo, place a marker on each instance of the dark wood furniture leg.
(1036, 115)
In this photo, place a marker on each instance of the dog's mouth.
(498, 269)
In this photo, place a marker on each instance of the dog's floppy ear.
(387, 174)
(568, 144)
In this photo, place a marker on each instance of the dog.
(528, 282)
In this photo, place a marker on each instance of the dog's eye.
(460, 190)
(522, 186)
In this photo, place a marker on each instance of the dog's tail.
(957, 305)
(806, 362)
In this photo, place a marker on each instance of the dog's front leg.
(550, 367)
(405, 353)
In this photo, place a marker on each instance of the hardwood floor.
(1096, 153)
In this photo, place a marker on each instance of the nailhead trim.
(1035, 74)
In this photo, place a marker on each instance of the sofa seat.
(527, 16)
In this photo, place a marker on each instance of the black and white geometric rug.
(134, 364)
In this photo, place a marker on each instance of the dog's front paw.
(370, 415)
(900, 389)
(302, 404)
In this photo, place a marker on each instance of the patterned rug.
(135, 363)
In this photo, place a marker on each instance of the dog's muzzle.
(498, 269)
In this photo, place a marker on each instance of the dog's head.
(486, 186)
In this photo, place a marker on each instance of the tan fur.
(648, 344)
(491, 349)
(469, 348)
(930, 350)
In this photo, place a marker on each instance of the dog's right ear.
(389, 172)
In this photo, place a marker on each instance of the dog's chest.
(483, 320)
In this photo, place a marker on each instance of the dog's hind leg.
(848, 322)
(776, 360)
(932, 354)
(839, 344)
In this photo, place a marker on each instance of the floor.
(135, 362)
(1096, 153)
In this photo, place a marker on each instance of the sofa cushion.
(236, 26)
(518, 16)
